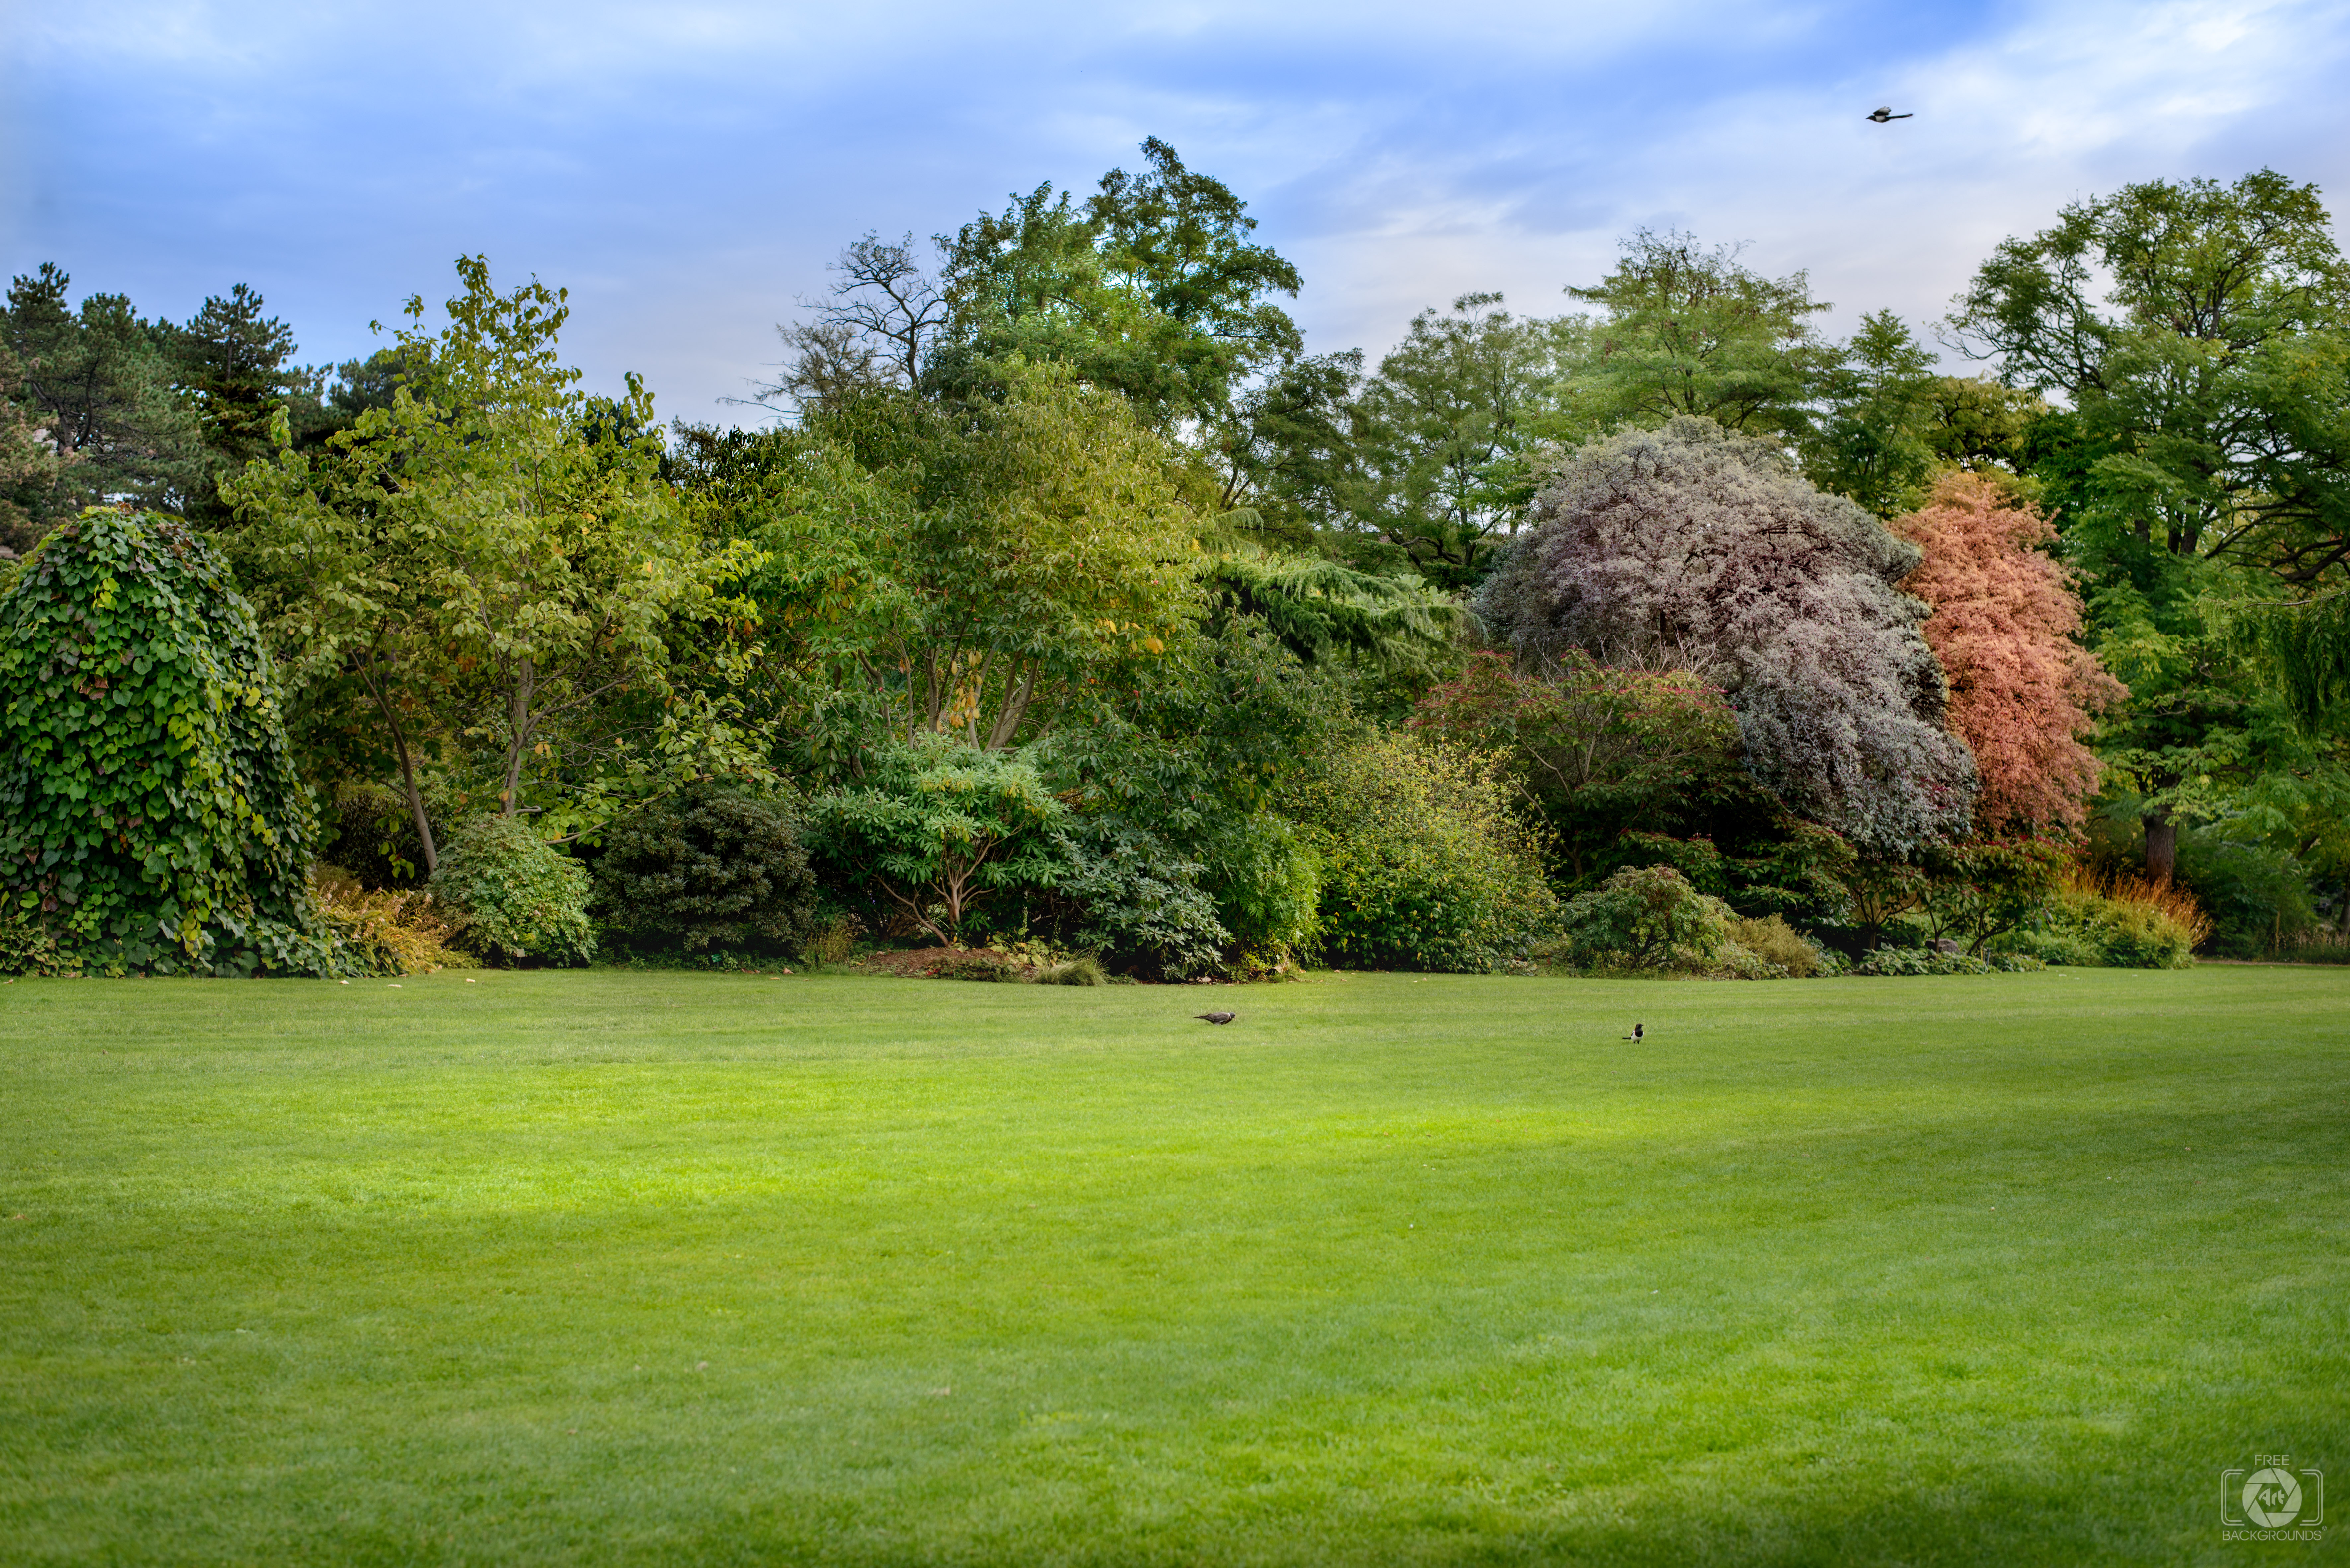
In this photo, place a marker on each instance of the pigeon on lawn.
(1886, 113)
(1637, 1032)
(1217, 1017)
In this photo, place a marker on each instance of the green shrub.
(2067, 946)
(1923, 960)
(2112, 921)
(518, 897)
(150, 817)
(939, 831)
(1776, 942)
(1135, 897)
(2130, 924)
(2257, 898)
(1645, 918)
(2317, 947)
(707, 868)
(1266, 881)
(1424, 863)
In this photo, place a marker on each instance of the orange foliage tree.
(2023, 692)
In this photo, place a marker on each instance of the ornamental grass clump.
(151, 815)
(520, 901)
(388, 930)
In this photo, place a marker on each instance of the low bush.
(1424, 862)
(1776, 942)
(836, 941)
(387, 931)
(980, 965)
(2068, 947)
(707, 868)
(2256, 897)
(2317, 947)
(1135, 898)
(519, 899)
(1924, 961)
(2130, 923)
(1646, 918)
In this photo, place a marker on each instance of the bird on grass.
(1217, 1017)
(1637, 1032)
(1886, 113)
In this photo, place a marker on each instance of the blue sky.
(687, 170)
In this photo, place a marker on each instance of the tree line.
(1064, 589)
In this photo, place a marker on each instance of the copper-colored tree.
(2023, 692)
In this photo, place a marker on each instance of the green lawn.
(677, 1269)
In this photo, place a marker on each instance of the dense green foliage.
(1424, 864)
(150, 814)
(707, 868)
(1845, 640)
(1645, 918)
(942, 832)
(519, 901)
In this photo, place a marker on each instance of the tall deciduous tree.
(986, 574)
(1684, 328)
(493, 557)
(2199, 332)
(2022, 691)
(1872, 443)
(1443, 432)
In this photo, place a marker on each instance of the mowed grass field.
(616, 1268)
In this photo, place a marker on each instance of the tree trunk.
(518, 721)
(416, 802)
(2161, 847)
(379, 692)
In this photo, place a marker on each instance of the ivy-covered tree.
(150, 814)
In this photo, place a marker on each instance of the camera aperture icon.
(2272, 1497)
